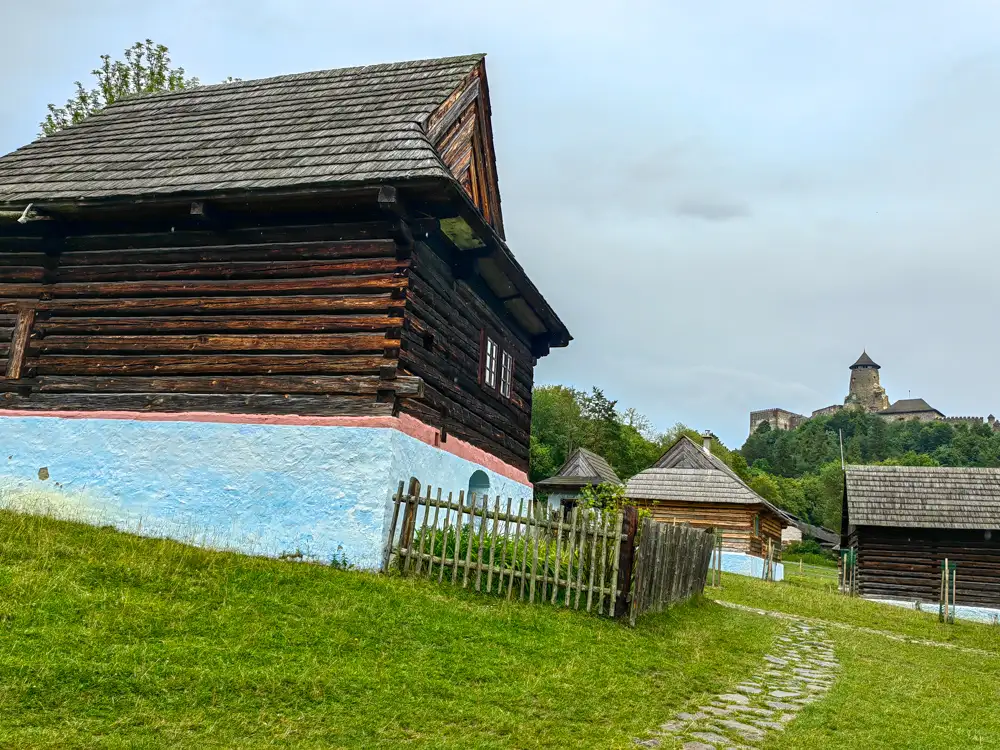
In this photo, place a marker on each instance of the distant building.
(690, 485)
(866, 392)
(582, 469)
(904, 521)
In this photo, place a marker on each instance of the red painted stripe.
(404, 423)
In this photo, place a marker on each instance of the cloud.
(711, 209)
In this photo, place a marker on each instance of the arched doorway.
(479, 490)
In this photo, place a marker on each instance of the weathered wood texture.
(271, 320)
(532, 555)
(462, 134)
(671, 565)
(441, 343)
(735, 521)
(905, 564)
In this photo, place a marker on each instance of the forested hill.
(798, 470)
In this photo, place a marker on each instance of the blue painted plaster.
(988, 615)
(323, 491)
(747, 565)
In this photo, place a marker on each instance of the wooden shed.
(690, 485)
(583, 468)
(905, 520)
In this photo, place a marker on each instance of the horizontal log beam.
(222, 253)
(210, 271)
(215, 305)
(208, 364)
(211, 324)
(408, 386)
(318, 343)
(305, 405)
(322, 285)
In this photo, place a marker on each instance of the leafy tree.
(145, 70)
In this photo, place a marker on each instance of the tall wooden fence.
(672, 565)
(534, 553)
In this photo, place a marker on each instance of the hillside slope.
(111, 640)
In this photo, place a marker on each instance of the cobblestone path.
(801, 668)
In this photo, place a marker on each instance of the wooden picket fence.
(589, 560)
(672, 565)
(533, 554)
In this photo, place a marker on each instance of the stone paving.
(801, 668)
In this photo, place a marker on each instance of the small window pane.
(506, 375)
(490, 365)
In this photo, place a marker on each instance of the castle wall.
(779, 419)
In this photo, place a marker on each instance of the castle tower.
(865, 390)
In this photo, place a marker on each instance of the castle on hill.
(866, 392)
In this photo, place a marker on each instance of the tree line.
(798, 470)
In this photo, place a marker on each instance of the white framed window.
(506, 374)
(490, 355)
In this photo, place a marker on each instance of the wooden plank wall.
(906, 564)
(736, 521)
(283, 320)
(441, 345)
(462, 133)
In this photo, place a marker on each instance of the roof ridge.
(243, 83)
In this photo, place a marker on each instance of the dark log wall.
(906, 564)
(735, 521)
(285, 320)
(441, 344)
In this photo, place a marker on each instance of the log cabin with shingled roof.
(688, 484)
(324, 245)
(903, 521)
(583, 468)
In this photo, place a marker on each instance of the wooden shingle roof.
(691, 485)
(583, 467)
(923, 497)
(686, 473)
(335, 127)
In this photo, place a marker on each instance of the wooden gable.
(462, 133)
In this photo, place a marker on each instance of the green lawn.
(889, 694)
(108, 640)
(112, 641)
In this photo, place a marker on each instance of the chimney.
(706, 441)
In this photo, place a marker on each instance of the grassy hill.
(109, 640)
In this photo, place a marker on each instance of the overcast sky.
(724, 201)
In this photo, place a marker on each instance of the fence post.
(396, 501)
(409, 523)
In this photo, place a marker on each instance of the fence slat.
(482, 537)
(524, 554)
(397, 501)
(534, 554)
(559, 533)
(444, 541)
(513, 552)
(458, 538)
(434, 531)
(423, 532)
(593, 565)
(471, 512)
(504, 539)
(570, 542)
(581, 555)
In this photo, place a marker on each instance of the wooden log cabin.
(318, 249)
(690, 485)
(903, 521)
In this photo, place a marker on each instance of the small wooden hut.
(583, 468)
(690, 485)
(905, 520)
